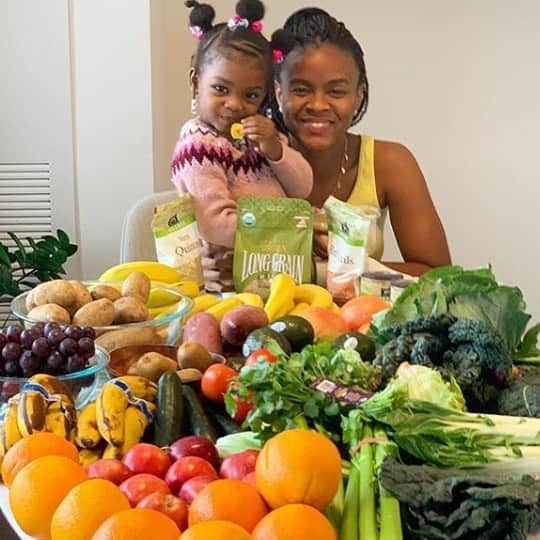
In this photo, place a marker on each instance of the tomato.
(242, 409)
(262, 354)
(109, 469)
(215, 381)
(139, 486)
(186, 468)
(169, 505)
(147, 458)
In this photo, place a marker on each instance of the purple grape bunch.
(45, 348)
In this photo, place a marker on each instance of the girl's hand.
(320, 233)
(263, 133)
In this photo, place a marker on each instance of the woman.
(321, 91)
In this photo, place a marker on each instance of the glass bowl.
(84, 384)
(168, 327)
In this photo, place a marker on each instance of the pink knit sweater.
(216, 172)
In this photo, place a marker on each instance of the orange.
(298, 466)
(138, 524)
(32, 447)
(229, 500)
(359, 311)
(85, 508)
(327, 325)
(39, 488)
(294, 521)
(216, 530)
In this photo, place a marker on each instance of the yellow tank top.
(365, 193)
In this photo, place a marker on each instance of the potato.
(193, 355)
(105, 291)
(137, 284)
(82, 295)
(29, 301)
(125, 337)
(203, 328)
(152, 365)
(58, 291)
(129, 309)
(95, 313)
(50, 313)
(241, 321)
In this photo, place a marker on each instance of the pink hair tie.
(197, 32)
(236, 21)
(257, 26)
(277, 56)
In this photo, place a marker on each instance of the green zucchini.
(225, 424)
(198, 420)
(169, 418)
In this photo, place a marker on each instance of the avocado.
(363, 344)
(297, 330)
(266, 338)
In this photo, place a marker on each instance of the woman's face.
(319, 93)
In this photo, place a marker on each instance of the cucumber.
(225, 424)
(169, 418)
(198, 420)
(297, 330)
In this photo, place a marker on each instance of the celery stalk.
(368, 517)
(389, 514)
(334, 512)
(349, 521)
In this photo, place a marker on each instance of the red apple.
(169, 505)
(250, 479)
(109, 469)
(195, 446)
(186, 468)
(147, 458)
(190, 488)
(139, 486)
(239, 465)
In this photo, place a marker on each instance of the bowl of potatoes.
(133, 312)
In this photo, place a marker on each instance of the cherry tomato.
(262, 354)
(215, 381)
(242, 409)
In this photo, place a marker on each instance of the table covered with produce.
(138, 404)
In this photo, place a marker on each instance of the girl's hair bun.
(252, 10)
(202, 15)
(283, 41)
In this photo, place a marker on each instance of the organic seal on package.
(273, 236)
(348, 235)
(177, 238)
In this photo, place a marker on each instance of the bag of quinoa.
(273, 235)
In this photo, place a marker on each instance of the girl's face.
(229, 89)
(319, 93)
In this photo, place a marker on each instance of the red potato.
(185, 468)
(238, 466)
(191, 487)
(139, 486)
(203, 328)
(195, 446)
(241, 321)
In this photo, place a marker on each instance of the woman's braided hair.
(310, 27)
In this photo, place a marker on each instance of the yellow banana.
(87, 456)
(163, 311)
(11, 433)
(58, 419)
(154, 270)
(251, 299)
(335, 308)
(135, 426)
(111, 406)
(298, 308)
(159, 297)
(31, 412)
(88, 435)
(280, 301)
(203, 302)
(223, 306)
(53, 386)
(140, 387)
(314, 295)
(112, 452)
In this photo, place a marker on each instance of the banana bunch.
(44, 404)
(154, 270)
(118, 418)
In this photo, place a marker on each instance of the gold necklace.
(344, 161)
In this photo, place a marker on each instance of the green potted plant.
(31, 262)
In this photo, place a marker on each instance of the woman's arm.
(416, 224)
